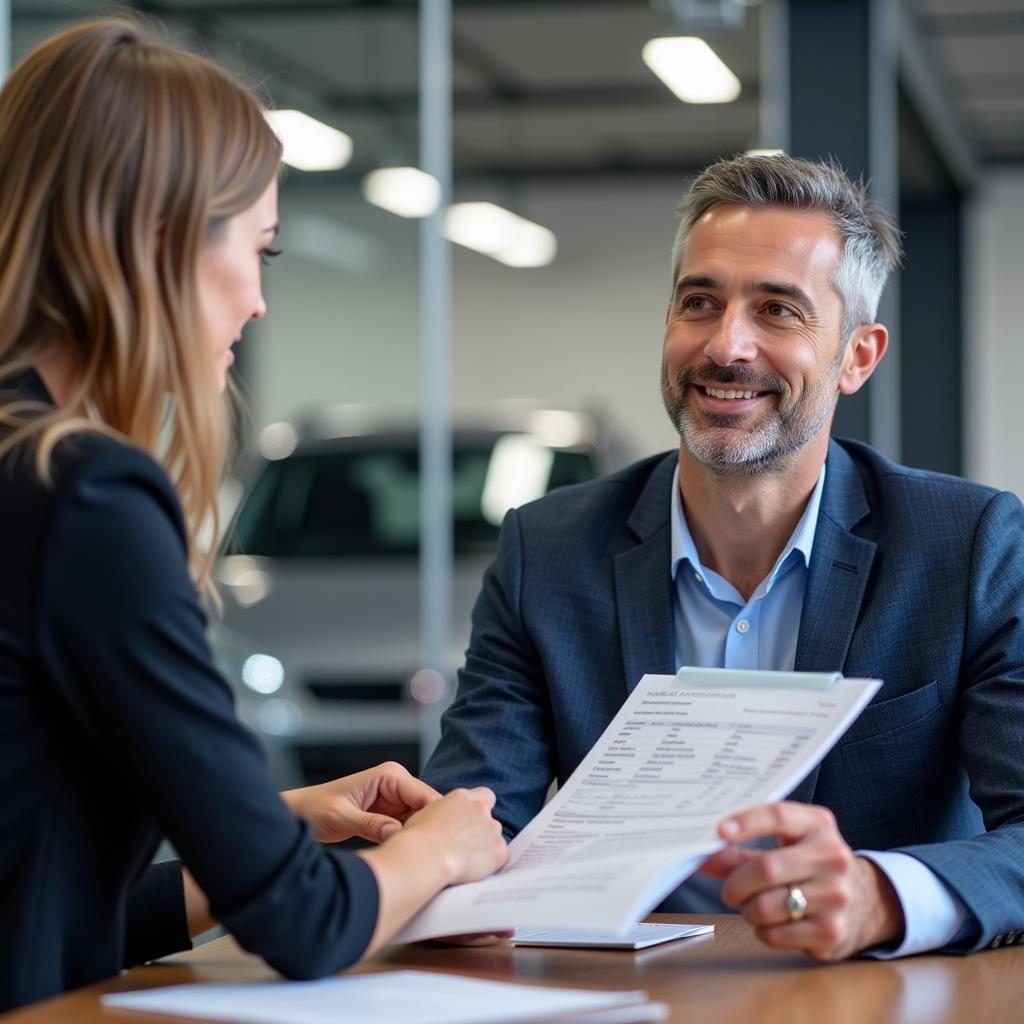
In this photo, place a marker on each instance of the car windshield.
(353, 502)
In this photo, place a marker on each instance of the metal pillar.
(5, 38)
(932, 320)
(436, 367)
(773, 98)
(843, 104)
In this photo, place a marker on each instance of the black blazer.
(116, 729)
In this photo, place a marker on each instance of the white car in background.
(320, 634)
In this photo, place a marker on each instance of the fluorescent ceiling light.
(309, 144)
(534, 246)
(500, 234)
(764, 152)
(406, 191)
(691, 69)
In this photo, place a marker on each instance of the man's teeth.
(717, 393)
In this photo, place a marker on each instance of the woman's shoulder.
(90, 468)
(94, 454)
(89, 473)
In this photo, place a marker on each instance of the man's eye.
(697, 303)
(778, 309)
(267, 254)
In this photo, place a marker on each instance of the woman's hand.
(373, 804)
(464, 837)
(451, 840)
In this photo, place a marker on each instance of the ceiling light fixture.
(309, 144)
(691, 69)
(405, 191)
(500, 234)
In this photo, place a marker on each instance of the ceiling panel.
(552, 86)
(976, 48)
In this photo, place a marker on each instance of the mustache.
(744, 378)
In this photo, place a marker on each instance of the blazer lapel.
(836, 579)
(643, 583)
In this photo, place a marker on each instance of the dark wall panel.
(930, 335)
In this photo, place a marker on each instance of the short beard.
(771, 444)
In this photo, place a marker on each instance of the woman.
(138, 198)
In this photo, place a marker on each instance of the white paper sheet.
(391, 997)
(639, 815)
(638, 936)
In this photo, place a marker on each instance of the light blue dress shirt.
(716, 628)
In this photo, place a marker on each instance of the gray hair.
(869, 237)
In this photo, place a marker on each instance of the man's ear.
(864, 352)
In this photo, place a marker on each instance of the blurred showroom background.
(559, 118)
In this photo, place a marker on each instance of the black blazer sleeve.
(155, 921)
(122, 637)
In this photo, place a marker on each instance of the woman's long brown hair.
(120, 157)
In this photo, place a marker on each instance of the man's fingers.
(769, 907)
(824, 939)
(768, 871)
(824, 857)
(813, 856)
(723, 863)
(786, 821)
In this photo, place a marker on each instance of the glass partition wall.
(476, 220)
(476, 216)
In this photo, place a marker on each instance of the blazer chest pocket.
(896, 713)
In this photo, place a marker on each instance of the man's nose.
(734, 339)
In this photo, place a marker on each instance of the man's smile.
(730, 394)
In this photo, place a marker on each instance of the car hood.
(360, 617)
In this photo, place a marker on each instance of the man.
(765, 545)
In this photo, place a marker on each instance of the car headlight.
(263, 673)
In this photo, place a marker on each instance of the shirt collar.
(801, 540)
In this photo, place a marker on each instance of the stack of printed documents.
(640, 813)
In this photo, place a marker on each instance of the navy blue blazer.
(915, 578)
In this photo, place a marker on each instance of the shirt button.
(743, 626)
(697, 576)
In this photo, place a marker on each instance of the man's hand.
(851, 905)
(372, 804)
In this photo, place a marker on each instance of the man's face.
(753, 352)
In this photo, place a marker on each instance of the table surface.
(727, 978)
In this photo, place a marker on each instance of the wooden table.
(728, 978)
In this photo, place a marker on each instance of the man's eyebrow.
(787, 291)
(780, 288)
(697, 281)
(694, 281)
